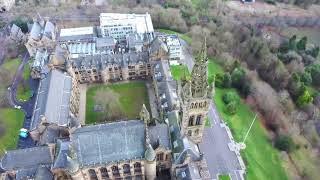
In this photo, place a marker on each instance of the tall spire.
(199, 84)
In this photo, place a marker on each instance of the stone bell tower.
(196, 96)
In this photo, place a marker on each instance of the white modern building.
(119, 26)
(174, 47)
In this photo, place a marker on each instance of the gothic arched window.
(92, 174)
(191, 118)
(189, 133)
(137, 167)
(198, 120)
(126, 169)
(115, 171)
(196, 132)
(104, 173)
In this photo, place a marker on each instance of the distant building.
(175, 48)
(111, 68)
(42, 35)
(119, 26)
(16, 34)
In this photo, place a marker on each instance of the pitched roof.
(159, 136)
(109, 142)
(26, 158)
(53, 99)
(43, 173)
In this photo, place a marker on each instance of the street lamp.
(242, 144)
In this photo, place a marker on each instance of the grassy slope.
(12, 120)
(24, 92)
(224, 177)
(182, 36)
(261, 158)
(132, 96)
(179, 71)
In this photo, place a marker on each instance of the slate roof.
(43, 173)
(181, 145)
(166, 85)
(53, 99)
(105, 42)
(159, 135)
(100, 61)
(190, 172)
(26, 158)
(156, 44)
(62, 150)
(109, 142)
(35, 32)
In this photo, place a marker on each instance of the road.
(26, 107)
(215, 147)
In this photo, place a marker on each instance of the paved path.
(215, 147)
(152, 101)
(26, 107)
(82, 108)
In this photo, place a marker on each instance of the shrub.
(284, 143)
(226, 83)
(231, 108)
(230, 97)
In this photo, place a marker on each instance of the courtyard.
(109, 102)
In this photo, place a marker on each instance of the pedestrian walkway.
(82, 108)
(152, 101)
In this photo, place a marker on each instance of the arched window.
(104, 173)
(137, 167)
(196, 105)
(192, 105)
(126, 169)
(196, 132)
(198, 120)
(189, 133)
(191, 118)
(200, 105)
(92, 174)
(115, 171)
(160, 156)
(205, 104)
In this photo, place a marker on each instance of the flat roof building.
(120, 25)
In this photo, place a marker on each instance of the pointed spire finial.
(144, 114)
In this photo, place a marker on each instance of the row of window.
(115, 171)
(197, 120)
(196, 132)
(199, 105)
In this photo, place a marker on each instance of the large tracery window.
(126, 169)
(198, 120)
(160, 157)
(137, 167)
(115, 171)
(191, 118)
(104, 173)
(92, 174)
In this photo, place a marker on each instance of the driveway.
(215, 147)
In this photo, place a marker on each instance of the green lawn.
(224, 177)
(24, 91)
(132, 96)
(11, 64)
(262, 160)
(179, 71)
(11, 120)
(182, 36)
